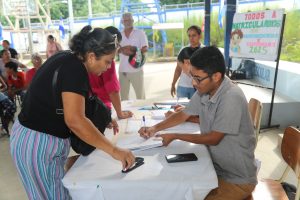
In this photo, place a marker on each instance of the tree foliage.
(291, 39)
(80, 8)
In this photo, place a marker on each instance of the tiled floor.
(162, 73)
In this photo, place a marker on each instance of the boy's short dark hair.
(113, 30)
(12, 65)
(209, 59)
(186, 53)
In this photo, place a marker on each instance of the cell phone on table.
(185, 157)
(138, 162)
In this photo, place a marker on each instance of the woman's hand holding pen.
(147, 132)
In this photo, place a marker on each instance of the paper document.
(133, 126)
(188, 127)
(158, 114)
(181, 101)
(134, 142)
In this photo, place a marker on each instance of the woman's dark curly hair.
(97, 40)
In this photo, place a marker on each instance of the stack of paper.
(134, 142)
(133, 126)
(186, 127)
(158, 114)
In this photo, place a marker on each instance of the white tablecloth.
(99, 177)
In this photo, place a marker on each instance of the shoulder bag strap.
(59, 110)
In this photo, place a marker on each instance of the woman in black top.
(40, 137)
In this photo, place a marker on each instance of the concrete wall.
(288, 78)
(286, 108)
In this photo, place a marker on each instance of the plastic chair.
(255, 108)
(290, 151)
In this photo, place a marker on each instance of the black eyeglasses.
(199, 80)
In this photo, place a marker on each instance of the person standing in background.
(52, 46)
(107, 86)
(6, 45)
(133, 41)
(185, 87)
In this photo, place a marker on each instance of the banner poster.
(256, 34)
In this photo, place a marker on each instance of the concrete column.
(207, 23)
(230, 11)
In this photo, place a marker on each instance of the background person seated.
(37, 62)
(15, 81)
(7, 107)
(5, 58)
(6, 45)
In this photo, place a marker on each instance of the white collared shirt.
(136, 38)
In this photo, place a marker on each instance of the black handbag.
(100, 115)
(95, 110)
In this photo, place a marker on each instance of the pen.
(144, 120)
(156, 107)
(174, 106)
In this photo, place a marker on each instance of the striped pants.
(40, 160)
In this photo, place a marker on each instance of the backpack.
(244, 71)
(100, 115)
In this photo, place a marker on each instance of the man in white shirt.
(133, 41)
